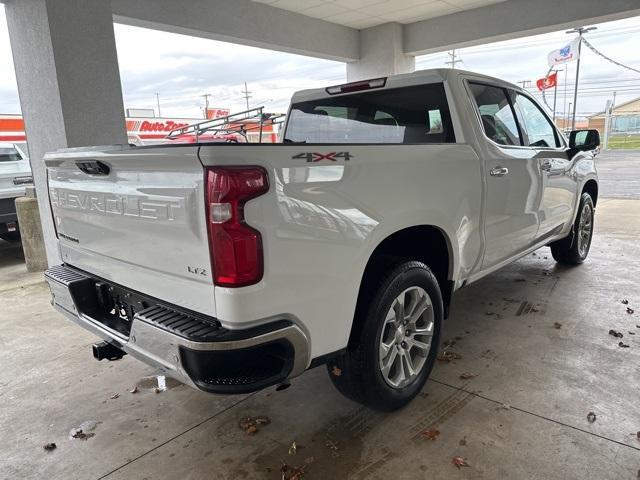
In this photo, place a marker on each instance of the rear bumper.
(187, 346)
(8, 210)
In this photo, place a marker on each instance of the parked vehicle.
(232, 267)
(15, 174)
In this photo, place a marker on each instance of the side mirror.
(584, 140)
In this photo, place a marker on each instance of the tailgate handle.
(93, 167)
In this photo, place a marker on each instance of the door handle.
(545, 167)
(498, 171)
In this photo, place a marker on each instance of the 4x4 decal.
(316, 157)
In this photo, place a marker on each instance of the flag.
(568, 53)
(547, 82)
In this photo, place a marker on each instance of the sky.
(182, 69)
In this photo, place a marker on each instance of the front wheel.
(573, 249)
(395, 349)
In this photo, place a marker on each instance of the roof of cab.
(431, 75)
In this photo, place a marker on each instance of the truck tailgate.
(136, 217)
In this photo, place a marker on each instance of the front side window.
(496, 113)
(417, 114)
(538, 129)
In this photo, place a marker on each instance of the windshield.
(418, 114)
(9, 154)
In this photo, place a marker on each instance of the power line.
(597, 52)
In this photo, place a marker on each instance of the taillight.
(235, 247)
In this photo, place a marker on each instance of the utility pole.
(564, 97)
(206, 104)
(555, 94)
(158, 102)
(454, 59)
(607, 120)
(246, 94)
(580, 31)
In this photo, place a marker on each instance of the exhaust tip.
(105, 350)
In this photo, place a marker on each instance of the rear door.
(558, 186)
(135, 216)
(512, 178)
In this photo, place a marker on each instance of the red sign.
(217, 113)
(162, 126)
(547, 82)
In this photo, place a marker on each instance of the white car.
(15, 174)
(232, 267)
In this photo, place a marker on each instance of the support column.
(66, 65)
(381, 54)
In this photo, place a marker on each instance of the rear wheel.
(573, 249)
(396, 347)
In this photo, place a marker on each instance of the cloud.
(182, 69)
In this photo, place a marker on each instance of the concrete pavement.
(523, 416)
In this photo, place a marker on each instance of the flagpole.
(579, 31)
(555, 95)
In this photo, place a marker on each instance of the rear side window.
(496, 113)
(418, 114)
(9, 155)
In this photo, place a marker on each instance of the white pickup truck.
(233, 267)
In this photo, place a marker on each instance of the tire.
(573, 249)
(360, 371)
(11, 237)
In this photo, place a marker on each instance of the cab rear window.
(418, 114)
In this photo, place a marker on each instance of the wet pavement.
(533, 335)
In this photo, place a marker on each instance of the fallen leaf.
(625, 302)
(557, 325)
(79, 434)
(134, 389)
(262, 420)
(467, 376)
(296, 473)
(52, 446)
(448, 356)
(114, 396)
(332, 445)
(591, 417)
(463, 442)
(336, 371)
(631, 333)
(430, 434)
(250, 424)
(459, 462)
(293, 449)
(623, 345)
(629, 310)
(615, 333)
(637, 436)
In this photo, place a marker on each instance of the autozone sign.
(134, 126)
